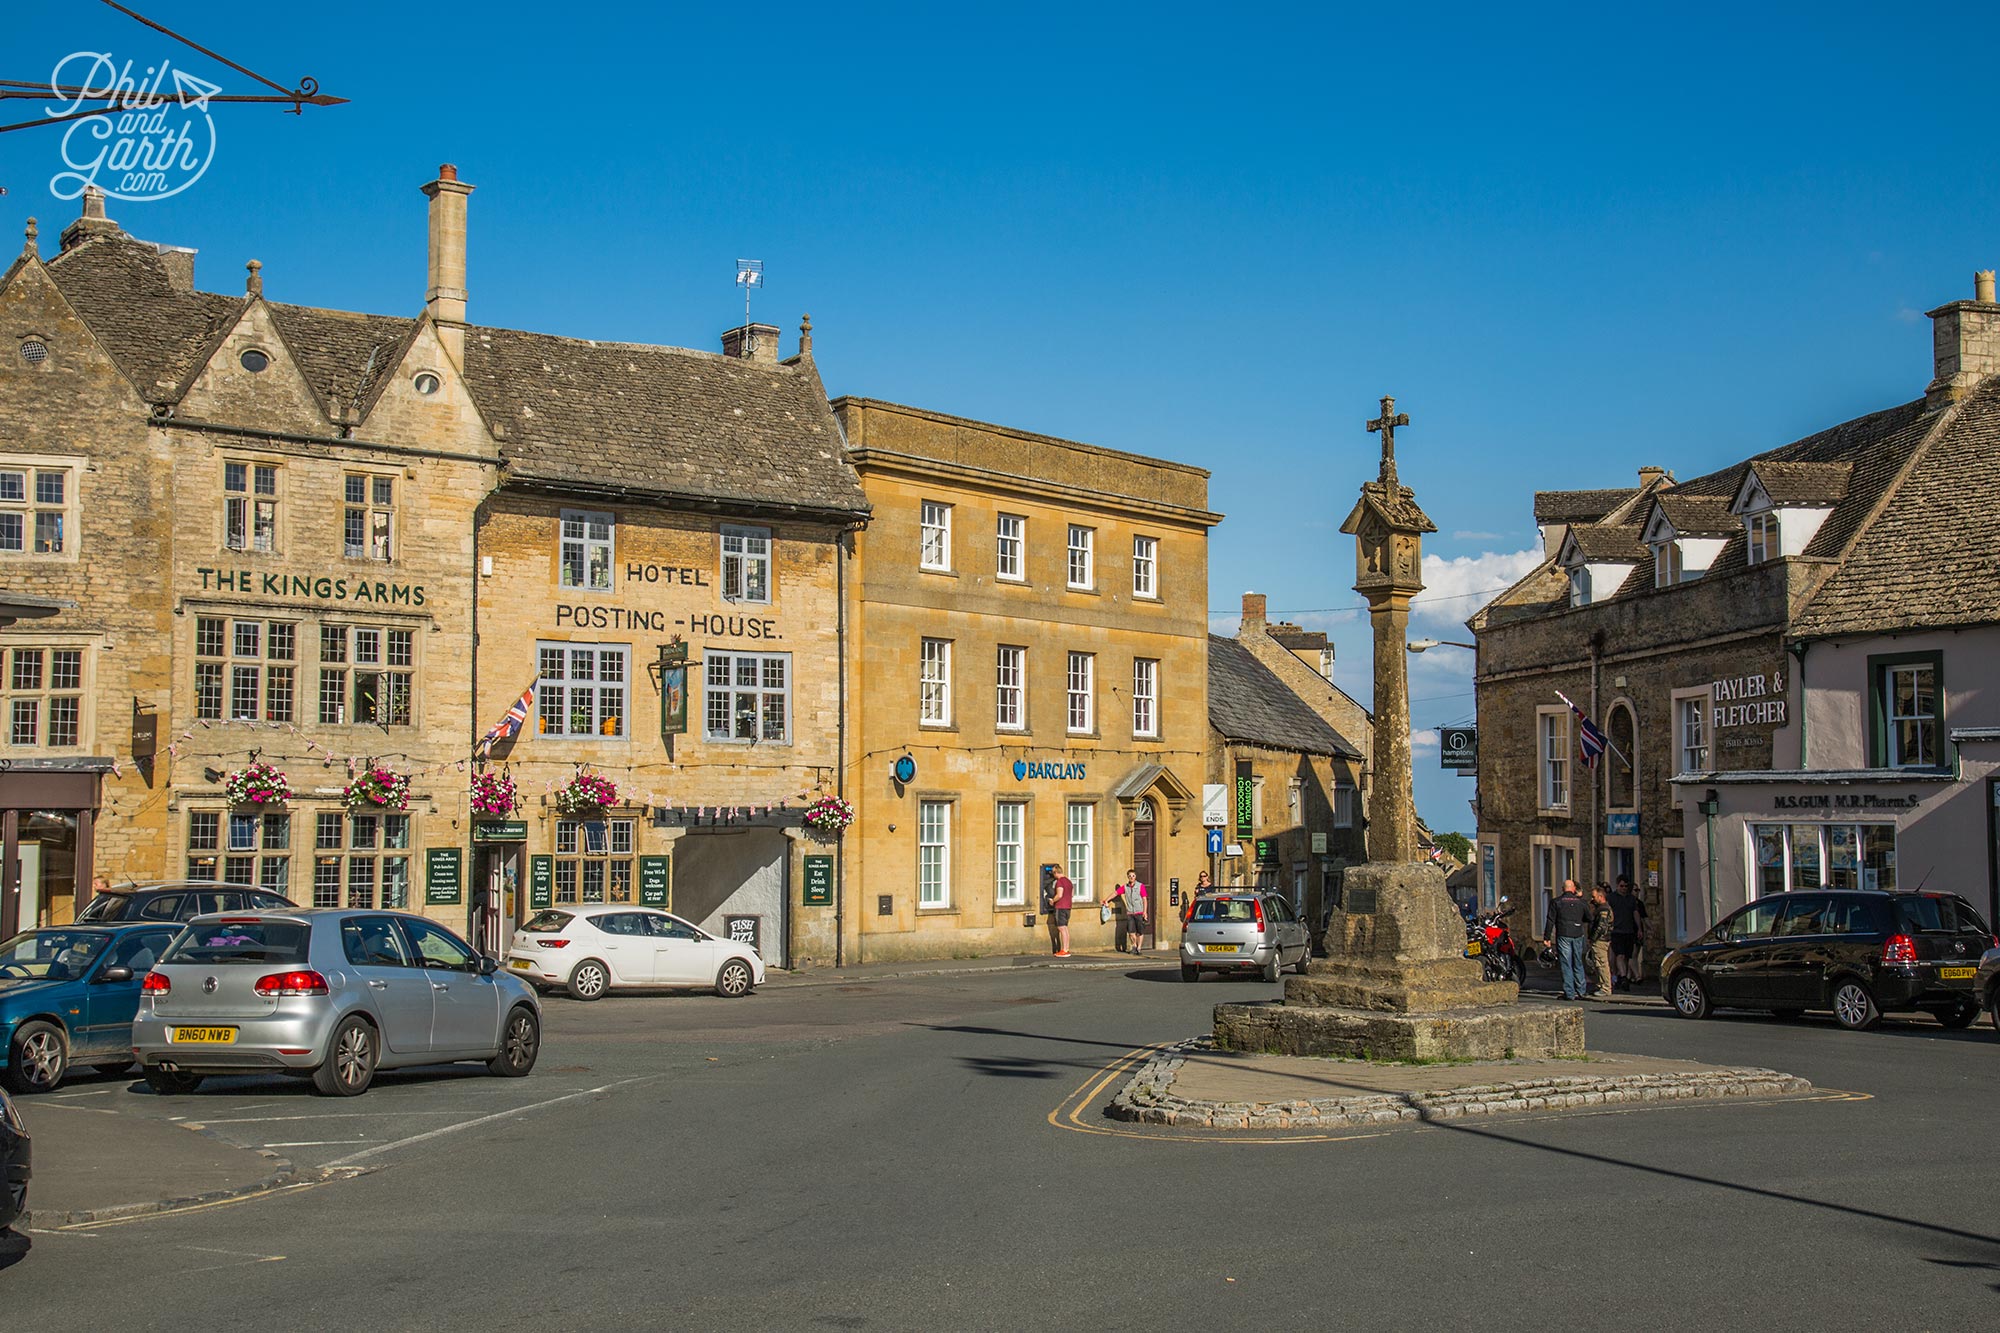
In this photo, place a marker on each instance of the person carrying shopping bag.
(1134, 896)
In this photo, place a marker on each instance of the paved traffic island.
(1197, 1085)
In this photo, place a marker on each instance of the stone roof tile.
(1578, 506)
(1248, 702)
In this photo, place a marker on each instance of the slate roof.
(1609, 542)
(1810, 484)
(1930, 558)
(1699, 515)
(1578, 506)
(597, 417)
(1247, 702)
(661, 420)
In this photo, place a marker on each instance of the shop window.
(250, 506)
(933, 854)
(1010, 674)
(44, 697)
(583, 690)
(1145, 697)
(1009, 854)
(585, 556)
(934, 545)
(1906, 710)
(1811, 856)
(1145, 566)
(934, 683)
(35, 509)
(241, 848)
(1081, 695)
(1010, 548)
(366, 856)
(370, 518)
(1082, 550)
(1080, 833)
(594, 861)
(245, 670)
(746, 564)
(747, 697)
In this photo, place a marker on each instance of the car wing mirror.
(111, 974)
(488, 966)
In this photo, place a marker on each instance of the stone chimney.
(92, 223)
(444, 296)
(754, 342)
(1965, 341)
(1253, 611)
(178, 260)
(1649, 475)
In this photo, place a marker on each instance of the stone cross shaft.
(1386, 425)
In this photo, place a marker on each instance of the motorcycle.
(1493, 945)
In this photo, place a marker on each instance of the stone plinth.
(1396, 945)
(1515, 1032)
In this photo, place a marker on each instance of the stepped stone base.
(1290, 1028)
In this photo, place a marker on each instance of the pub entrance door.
(498, 905)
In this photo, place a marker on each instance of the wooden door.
(1142, 861)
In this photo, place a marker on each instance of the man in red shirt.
(1060, 901)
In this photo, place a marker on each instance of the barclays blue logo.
(1028, 768)
(1020, 769)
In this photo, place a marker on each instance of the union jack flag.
(1590, 741)
(510, 725)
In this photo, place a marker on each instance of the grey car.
(1986, 985)
(1246, 930)
(334, 993)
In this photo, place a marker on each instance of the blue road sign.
(1215, 842)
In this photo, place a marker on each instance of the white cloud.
(1426, 739)
(1456, 586)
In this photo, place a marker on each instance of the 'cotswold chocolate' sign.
(1748, 701)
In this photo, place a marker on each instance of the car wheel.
(350, 1060)
(589, 980)
(1271, 968)
(520, 1044)
(733, 982)
(1305, 960)
(169, 1083)
(1690, 996)
(1961, 1017)
(1854, 1006)
(37, 1059)
(1194, 974)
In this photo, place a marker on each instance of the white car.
(592, 948)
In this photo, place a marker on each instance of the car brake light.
(155, 984)
(1899, 949)
(241, 921)
(552, 944)
(291, 983)
(1258, 903)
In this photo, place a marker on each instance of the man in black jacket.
(1569, 929)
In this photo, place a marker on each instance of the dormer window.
(1762, 530)
(1666, 564)
(1579, 586)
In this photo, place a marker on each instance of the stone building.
(1682, 616)
(1294, 782)
(1304, 660)
(1031, 682)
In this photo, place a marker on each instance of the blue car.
(67, 997)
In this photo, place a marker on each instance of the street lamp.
(1424, 645)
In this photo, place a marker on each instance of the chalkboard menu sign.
(744, 930)
(653, 872)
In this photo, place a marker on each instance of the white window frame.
(1579, 586)
(250, 514)
(43, 694)
(1010, 688)
(1760, 533)
(1146, 697)
(1486, 858)
(28, 507)
(1674, 890)
(1550, 862)
(1345, 799)
(549, 681)
(1146, 567)
(933, 855)
(1080, 853)
(584, 544)
(934, 536)
(1082, 552)
(1010, 854)
(719, 679)
(1691, 743)
(934, 683)
(1892, 749)
(1554, 788)
(746, 569)
(1010, 539)
(1667, 567)
(1080, 680)
(372, 512)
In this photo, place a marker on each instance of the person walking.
(1134, 895)
(1568, 927)
(1600, 939)
(1628, 923)
(1062, 897)
(1201, 886)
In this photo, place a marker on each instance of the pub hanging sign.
(673, 670)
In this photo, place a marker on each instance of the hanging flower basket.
(259, 784)
(378, 789)
(585, 795)
(494, 795)
(829, 814)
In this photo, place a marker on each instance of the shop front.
(48, 810)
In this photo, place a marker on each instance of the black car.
(176, 902)
(15, 1159)
(1860, 954)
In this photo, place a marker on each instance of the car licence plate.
(1958, 973)
(1220, 948)
(518, 964)
(203, 1036)
(1472, 949)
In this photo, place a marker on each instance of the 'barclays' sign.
(1026, 769)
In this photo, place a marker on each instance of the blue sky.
(1571, 241)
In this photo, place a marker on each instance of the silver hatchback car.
(334, 993)
(1243, 931)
